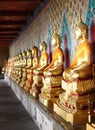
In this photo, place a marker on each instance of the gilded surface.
(29, 80)
(38, 71)
(78, 82)
(53, 74)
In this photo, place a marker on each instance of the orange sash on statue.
(82, 50)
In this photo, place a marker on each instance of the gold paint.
(78, 82)
(38, 71)
(53, 75)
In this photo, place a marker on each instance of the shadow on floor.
(1, 76)
(13, 115)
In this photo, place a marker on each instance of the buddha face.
(33, 52)
(53, 42)
(41, 47)
(78, 33)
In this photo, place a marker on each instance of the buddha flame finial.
(80, 19)
(82, 25)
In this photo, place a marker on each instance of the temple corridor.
(13, 115)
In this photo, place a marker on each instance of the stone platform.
(43, 117)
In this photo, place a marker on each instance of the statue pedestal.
(48, 102)
(18, 79)
(14, 74)
(44, 118)
(24, 77)
(36, 86)
(51, 90)
(74, 106)
(90, 126)
(73, 118)
(17, 74)
(29, 81)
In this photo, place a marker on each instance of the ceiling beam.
(5, 44)
(5, 37)
(15, 13)
(7, 34)
(10, 29)
(6, 40)
(12, 22)
(34, 1)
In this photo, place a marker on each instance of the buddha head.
(20, 55)
(24, 54)
(16, 58)
(43, 46)
(29, 52)
(81, 31)
(56, 40)
(34, 51)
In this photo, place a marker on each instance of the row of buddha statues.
(69, 92)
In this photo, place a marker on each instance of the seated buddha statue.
(38, 72)
(81, 64)
(35, 58)
(78, 82)
(23, 68)
(24, 62)
(29, 59)
(11, 64)
(7, 67)
(19, 68)
(80, 68)
(16, 59)
(53, 73)
(34, 64)
(29, 64)
(43, 59)
(14, 70)
(57, 58)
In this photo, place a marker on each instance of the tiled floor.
(13, 115)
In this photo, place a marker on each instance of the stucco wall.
(60, 16)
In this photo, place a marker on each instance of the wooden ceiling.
(14, 15)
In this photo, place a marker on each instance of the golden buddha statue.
(24, 55)
(29, 80)
(43, 59)
(53, 74)
(14, 71)
(82, 60)
(17, 68)
(78, 82)
(25, 69)
(57, 58)
(24, 65)
(7, 67)
(35, 57)
(10, 67)
(38, 72)
(20, 59)
(29, 63)
(29, 58)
